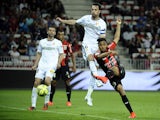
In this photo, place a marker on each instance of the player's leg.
(68, 92)
(125, 100)
(46, 99)
(88, 96)
(48, 78)
(120, 72)
(88, 51)
(66, 77)
(53, 86)
(34, 94)
(38, 78)
(53, 89)
(94, 71)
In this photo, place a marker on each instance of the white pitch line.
(64, 113)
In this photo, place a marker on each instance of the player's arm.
(69, 22)
(103, 31)
(38, 56)
(118, 31)
(72, 57)
(61, 54)
(61, 57)
(74, 62)
(106, 54)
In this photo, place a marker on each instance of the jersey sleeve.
(39, 48)
(82, 20)
(112, 46)
(60, 48)
(103, 28)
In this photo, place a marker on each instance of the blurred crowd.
(24, 22)
(141, 26)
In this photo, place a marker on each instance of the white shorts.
(88, 49)
(43, 73)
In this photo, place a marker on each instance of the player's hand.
(114, 52)
(119, 21)
(58, 66)
(34, 67)
(59, 19)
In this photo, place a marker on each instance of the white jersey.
(50, 51)
(93, 28)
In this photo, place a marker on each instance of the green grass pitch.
(107, 106)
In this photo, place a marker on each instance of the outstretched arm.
(69, 22)
(74, 62)
(118, 31)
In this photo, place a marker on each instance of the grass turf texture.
(107, 106)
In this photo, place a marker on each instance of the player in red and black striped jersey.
(109, 62)
(63, 72)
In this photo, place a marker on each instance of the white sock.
(91, 86)
(34, 96)
(94, 70)
(93, 67)
(90, 91)
(48, 95)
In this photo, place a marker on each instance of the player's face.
(51, 32)
(103, 46)
(95, 11)
(60, 36)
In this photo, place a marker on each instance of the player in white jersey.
(95, 28)
(48, 59)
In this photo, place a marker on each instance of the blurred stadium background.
(23, 23)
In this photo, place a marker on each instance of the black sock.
(68, 92)
(53, 89)
(126, 102)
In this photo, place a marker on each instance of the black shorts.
(116, 80)
(62, 73)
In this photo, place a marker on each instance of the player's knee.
(47, 82)
(67, 82)
(90, 57)
(122, 72)
(67, 75)
(119, 87)
(110, 74)
(37, 82)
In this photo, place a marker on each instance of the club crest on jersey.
(97, 23)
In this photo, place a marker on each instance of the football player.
(110, 64)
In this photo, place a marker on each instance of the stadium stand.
(142, 19)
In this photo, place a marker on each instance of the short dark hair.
(51, 26)
(97, 4)
(101, 39)
(60, 31)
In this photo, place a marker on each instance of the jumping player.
(94, 28)
(64, 71)
(109, 62)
